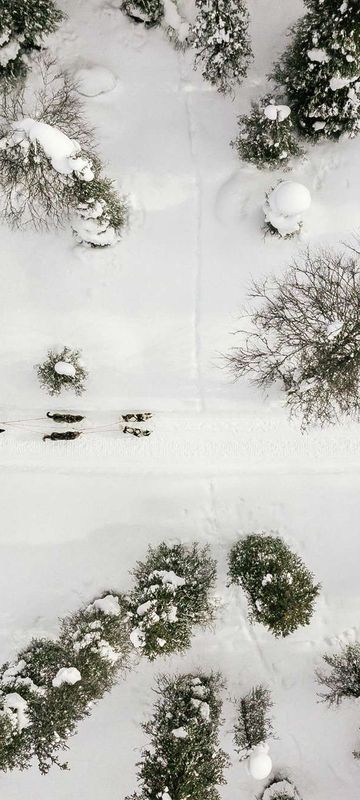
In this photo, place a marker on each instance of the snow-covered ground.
(152, 317)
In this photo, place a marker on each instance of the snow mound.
(94, 80)
(278, 788)
(13, 702)
(61, 151)
(259, 762)
(277, 112)
(180, 733)
(68, 675)
(109, 605)
(289, 198)
(316, 54)
(65, 368)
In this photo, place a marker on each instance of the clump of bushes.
(171, 594)
(279, 588)
(62, 369)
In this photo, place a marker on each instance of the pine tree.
(171, 595)
(280, 589)
(222, 42)
(100, 213)
(253, 725)
(343, 680)
(23, 25)
(185, 759)
(320, 69)
(266, 136)
(148, 12)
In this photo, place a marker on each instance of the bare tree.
(306, 334)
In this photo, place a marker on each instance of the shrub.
(170, 596)
(280, 789)
(148, 12)
(344, 679)
(185, 759)
(306, 335)
(253, 725)
(266, 138)
(24, 23)
(100, 214)
(62, 369)
(320, 69)
(280, 589)
(222, 44)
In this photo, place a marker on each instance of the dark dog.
(136, 431)
(65, 435)
(69, 418)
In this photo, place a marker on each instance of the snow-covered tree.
(176, 26)
(147, 12)
(23, 26)
(320, 69)
(306, 334)
(62, 369)
(266, 137)
(253, 726)
(280, 789)
(343, 680)
(221, 40)
(285, 207)
(184, 759)
(171, 595)
(279, 587)
(100, 213)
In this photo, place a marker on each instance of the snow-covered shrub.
(253, 726)
(184, 758)
(177, 28)
(266, 136)
(171, 595)
(23, 26)
(62, 370)
(280, 789)
(148, 12)
(284, 208)
(279, 588)
(100, 213)
(221, 40)
(320, 69)
(344, 678)
(306, 334)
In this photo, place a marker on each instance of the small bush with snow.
(171, 595)
(146, 12)
(62, 369)
(320, 69)
(23, 26)
(284, 208)
(177, 28)
(279, 588)
(304, 333)
(222, 44)
(280, 789)
(266, 137)
(99, 213)
(253, 726)
(343, 680)
(184, 758)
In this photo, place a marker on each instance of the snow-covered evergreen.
(222, 44)
(253, 725)
(285, 207)
(23, 26)
(343, 679)
(62, 369)
(171, 595)
(184, 758)
(147, 12)
(266, 136)
(280, 789)
(279, 587)
(320, 69)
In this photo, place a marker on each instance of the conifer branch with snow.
(222, 44)
(266, 136)
(24, 24)
(253, 725)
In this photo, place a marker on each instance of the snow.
(61, 151)
(316, 54)
(180, 733)
(279, 788)
(173, 19)
(69, 675)
(279, 112)
(65, 368)
(17, 706)
(9, 51)
(168, 578)
(259, 762)
(108, 605)
(94, 80)
(338, 82)
(285, 205)
(137, 637)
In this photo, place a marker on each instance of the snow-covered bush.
(343, 680)
(184, 758)
(100, 213)
(306, 334)
(320, 69)
(253, 726)
(62, 370)
(171, 595)
(23, 26)
(148, 12)
(279, 588)
(266, 136)
(221, 40)
(280, 789)
(176, 26)
(284, 208)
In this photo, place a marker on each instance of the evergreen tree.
(280, 789)
(185, 759)
(253, 725)
(343, 680)
(148, 12)
(171, 595)
(100, 213)
(62, 369)
(23, 24)
(320, 69)
(280, 589)
(266, 136)
(221, 41)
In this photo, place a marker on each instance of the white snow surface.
(151, 316)
(69, 675)
(94, 80)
